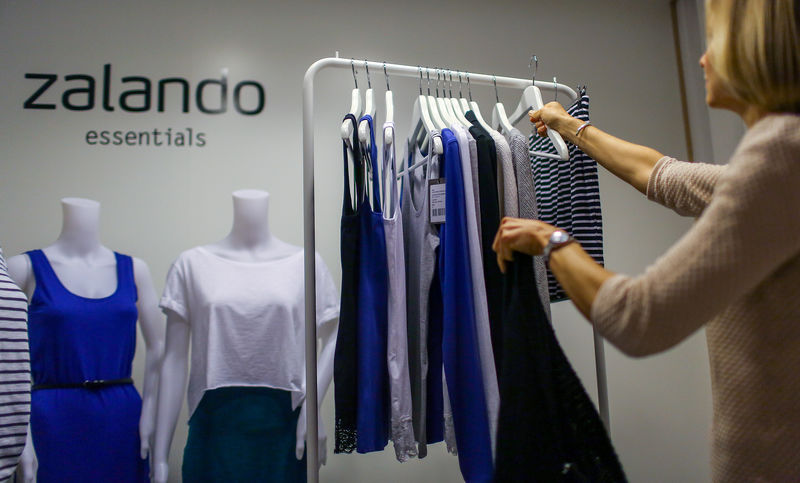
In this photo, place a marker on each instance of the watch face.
(559, 236)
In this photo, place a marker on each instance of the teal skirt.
(243, 434)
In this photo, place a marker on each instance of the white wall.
(715, 133)
(160, 201)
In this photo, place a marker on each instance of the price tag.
(436, 200)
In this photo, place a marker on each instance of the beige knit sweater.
(736, 272)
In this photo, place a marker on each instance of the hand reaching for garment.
(552, 115)
(520, 235)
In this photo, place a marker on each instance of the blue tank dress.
(84, 434)
(372, 420)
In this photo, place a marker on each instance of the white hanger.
(444, 106)
(369, 109)
(421, 121)
(473, 106)
(435, 115)
(477, 111)
(388, 137)
(437, 138)
(499, 118)
(355, 109)
(433, 106)
(463, 101)
(532, 100)
(454, 103)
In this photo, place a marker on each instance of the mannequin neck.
(250, 229)
(80, 229)
(250, 239)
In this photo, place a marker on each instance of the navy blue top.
(460, 339)
(373, 295)
(345, 368)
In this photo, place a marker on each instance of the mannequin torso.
(249, 242)
(88, 269)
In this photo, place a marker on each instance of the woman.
(737, 270)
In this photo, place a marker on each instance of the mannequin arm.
(327, 333)
(171, 388)
(27, 461)
(152, 327)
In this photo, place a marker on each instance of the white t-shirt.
(247, 319)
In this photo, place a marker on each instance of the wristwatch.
(558, 239)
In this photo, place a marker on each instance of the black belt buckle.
(96, 384)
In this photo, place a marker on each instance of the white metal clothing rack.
(309, 234)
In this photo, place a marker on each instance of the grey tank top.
(420, 240)
(526, 194)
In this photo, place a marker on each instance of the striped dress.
(568, 193)
(15, 372)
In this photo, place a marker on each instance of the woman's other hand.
(520, 235)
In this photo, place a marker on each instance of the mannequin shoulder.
(20, 269)
(141, 272)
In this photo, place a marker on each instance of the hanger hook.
(535, 63)
(438, 79)
(369, 82)
(420, 79)
(385, 74)
(353, 66)
(450, 74)
(460, 85)
(555, 86)
(469, 88)
(496, 95)
(428, 73)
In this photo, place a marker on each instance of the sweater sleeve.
(683, 187)
(746, 233)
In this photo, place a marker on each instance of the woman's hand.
(552, 116)
(520, 235)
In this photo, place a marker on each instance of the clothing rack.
(309, 234)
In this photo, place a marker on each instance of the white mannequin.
(249, 240)
(88, 269)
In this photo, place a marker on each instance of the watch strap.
(550, 247)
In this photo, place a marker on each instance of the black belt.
(97, 384)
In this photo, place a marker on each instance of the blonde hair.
(754, 46)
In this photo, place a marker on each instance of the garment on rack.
(506, 178)
(549, 429)
(473, 161)
(488, 370)
(15, 372)
(243, 434)
(526, 194)
(84, 434)
(461, 354)
(373, 421)
(345, 362)
(568, 193)
(420, 242)
(402, 434)
(490, 222)
(449, 426)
